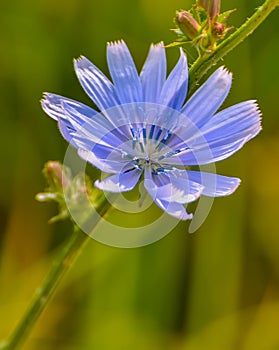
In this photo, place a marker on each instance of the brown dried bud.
(187, 24)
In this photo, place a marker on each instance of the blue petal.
(183, 188)
(172, 186)
(175, 88)
(153, 74)
(240, 119)
(223, 135)
(168, 196)
(124, 73)
(97, 130)
(132, 118)
(107, 165)
(174, 209)
(52, 105)
(205, 153)
(66, 131)
(101, 143)
(209, 97)
(82, 114)
(121, 182)
(100, 151)
(214, 185)
(95, 83)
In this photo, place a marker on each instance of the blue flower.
(145, 129)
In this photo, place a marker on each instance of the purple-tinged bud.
(56, 174)
(219, 28)
(212, 7)
(187, 24)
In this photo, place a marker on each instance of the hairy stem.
(61, 265)
(205, 62)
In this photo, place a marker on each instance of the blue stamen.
(151, 131)
(158, 134)
(144, 133)
(164, 141)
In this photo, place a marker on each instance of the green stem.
(204, 63)
(44, 293)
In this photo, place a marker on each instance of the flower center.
(146, 145)
(141, 163)
(149, 139)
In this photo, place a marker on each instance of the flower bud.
(219, 28)
(56, 174)
(187, 24)
(212, 7)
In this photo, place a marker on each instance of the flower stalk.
(62, 188)
(68, 255)
(202, 65)
(44, 293)
(203, 26)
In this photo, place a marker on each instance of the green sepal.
(70, 193)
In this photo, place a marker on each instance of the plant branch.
(205, 62)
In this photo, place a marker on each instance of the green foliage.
(203, 26)
(67, 191)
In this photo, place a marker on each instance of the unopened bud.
(56, 174)
(187, 24)
(212, 7)
(218, 28)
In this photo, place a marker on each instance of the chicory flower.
(145, 129)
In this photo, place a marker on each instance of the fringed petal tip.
(222, 74)
(46, 97)
(258, 113)
(158, 45)
(253, 104)
(223, 70)
(225, 74)
(116, 43)
(256, 108)
(81, 62)
(43, 100)
(50, 98)
(51, 104)
(255, 116)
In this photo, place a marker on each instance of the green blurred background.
(215, 289)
